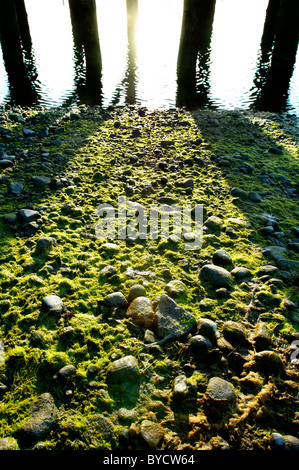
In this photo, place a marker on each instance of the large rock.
(116, 299)
(151, 433)
(53, 304)
(8, 443)
(171, 321)
(124, 369)
(44, 245)
(28, 215)
(43, 415)
(215, 275)
(219, 390)
(141, 310)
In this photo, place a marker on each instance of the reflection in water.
(193, 82)
(277, 55)
(88, 59)
(156, 53)
(15, 38)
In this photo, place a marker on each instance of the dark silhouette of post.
(278, 55)
(130, 78)
(88, 59)
(21, 79)
(194, 52)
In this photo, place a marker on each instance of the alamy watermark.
(294, 358)
(134, 221)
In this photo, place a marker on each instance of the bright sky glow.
(236, 36)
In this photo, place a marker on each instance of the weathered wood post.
(278, 54)
(87, 44)
(130, 78)
(22, 88)
(194, 48)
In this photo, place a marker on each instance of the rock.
(151, 433)
(254, 197)
(215, 275)
(238, 192)
(200, 346)
(291, 442)
(43, 416)
(220, 391)
(268, 270)
(9, 443)
(261, 337)
(268, 361)
(4, 305)
(28, 132)
(222, 258)
(28, 215)
(116, 299)
(277, 441)
(213, 224)
(67, 372)
(44, 245)
(11, 218)
(124, 369)
(15, 188)
(206, 327)
(275, 252)
(5, 163)
(234, 333)
(108, 271)
(137, 290)
(141, 310)
(41, 182)
(175, 288)
(241, 273)
(53, 304)
(180, 387)
(172, 321)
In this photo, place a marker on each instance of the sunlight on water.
(139, 54)
(237, 31)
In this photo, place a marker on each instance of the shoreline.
(227, 311)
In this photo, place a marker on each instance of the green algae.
(78, 256)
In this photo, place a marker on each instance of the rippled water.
(140, 53)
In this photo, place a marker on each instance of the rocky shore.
(137, 344)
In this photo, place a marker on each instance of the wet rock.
(277, 441)
(171, 320)
(28, 132)
(28, 215)
(180, 387)
(268, 361)
(41, 182)
(199, 346)
(5, 163)
(43, 416)
(268, 270)
(291, 442)
(241, 273)
(206, 327)
(66, 372)
(116, 299)
(15, 188)
(219, 395)
(275, 252)
(175, 288)
(44, 245)
(9, 443)
(261, 337)
(222, 258)
(215, 275)
(137, 290)
(108, 271)
(53, 305)
(151, 433)
(213, 223)
(124, 369)
(238, 192)
(254, 197)
(141, 310)
(234, 333)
